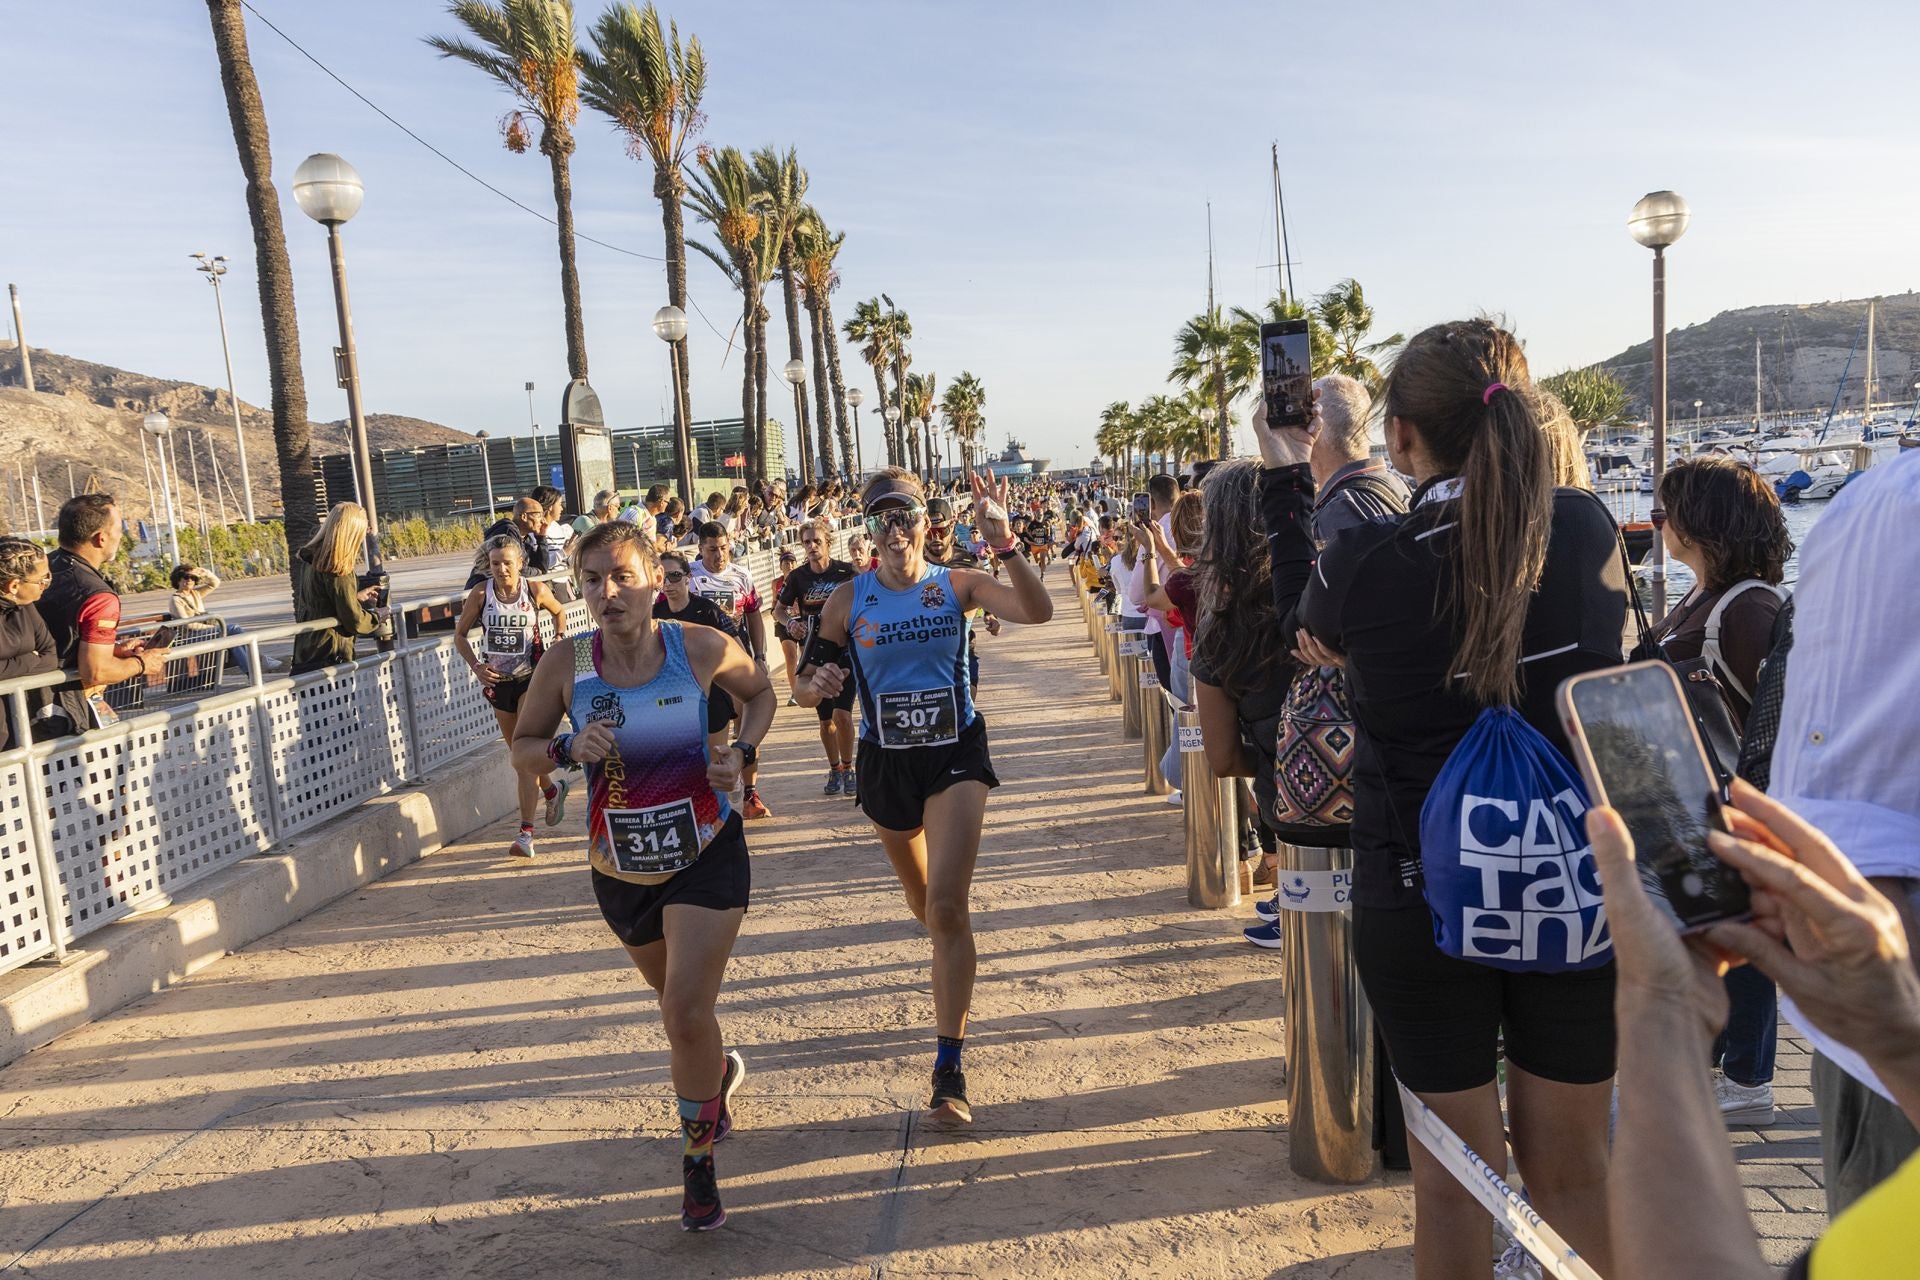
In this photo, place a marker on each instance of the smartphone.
(1639, 751)
(161, 638)
(1286, 373)
(1141, 506)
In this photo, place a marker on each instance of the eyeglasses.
(906, 518)
(674, 575)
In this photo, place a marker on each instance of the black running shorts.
(719, 879)
(506, 695)
(842, 701)
(1443, 1018)
(894, 785)
(719, 709)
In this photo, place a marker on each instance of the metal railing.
(118, 819)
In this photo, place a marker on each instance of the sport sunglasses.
(905, 518)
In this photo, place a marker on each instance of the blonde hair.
(336, 546)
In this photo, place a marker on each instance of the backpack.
(1510, 876)
(1769, 691)
(1313, 752)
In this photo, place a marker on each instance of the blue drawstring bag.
(1511, 879)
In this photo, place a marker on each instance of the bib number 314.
(656, 841)
(919, 718)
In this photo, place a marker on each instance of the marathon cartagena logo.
(1526, 892)
(920, 629)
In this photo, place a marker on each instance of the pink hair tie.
(1486, 397)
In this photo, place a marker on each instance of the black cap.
(939, 511)
(896, 492)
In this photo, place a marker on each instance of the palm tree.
(1200, 353)
(722, 195)
(1347, 317)
(292, 441)
(650, 87)
(963, 405)
(867, 326)
(527, 46)
(918, 403)
(1115, 436)
(814, 251)
(1594, 397)
(783, 184)
(1193, 435)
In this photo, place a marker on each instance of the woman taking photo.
(324, 587)
(1491, 590)
(899, 634)
(504, 609)
(668, 855)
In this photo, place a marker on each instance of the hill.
(1803, 349)
(88, 415)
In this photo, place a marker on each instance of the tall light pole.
(670, 326)
(1657, 221)
(329, 191)
(486, 472)
(157, 425)
(915, 426)
(213, 268)
(892, 414)
(899, 370)
(533, 426)
(855, 398)
(20, 338)
(795, 372)
(1696, 421)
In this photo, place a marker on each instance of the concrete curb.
(138, 956)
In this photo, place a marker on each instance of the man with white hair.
(1351, 487)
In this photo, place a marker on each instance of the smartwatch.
(749, 753)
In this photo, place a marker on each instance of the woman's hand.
(996, 526)
(827, 680)
(486, 675)
(724, 766)
(1310, 652)
(592, 744)
(1284, 446)
(1655, 963)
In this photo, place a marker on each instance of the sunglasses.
(907, 518)
(674, 575)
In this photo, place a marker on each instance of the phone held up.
(1635, 741)
(1286, 373)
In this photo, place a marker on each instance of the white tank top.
(509, 632)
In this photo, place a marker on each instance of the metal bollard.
(1155, 729)
(1329, 1028)
(1114, 635)
(1097, 633)
(1130, 699)
(1213, 824)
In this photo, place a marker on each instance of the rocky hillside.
(1803, 349)
(88, 415)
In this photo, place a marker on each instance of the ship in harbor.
(1013, 461)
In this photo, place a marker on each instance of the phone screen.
(1636, 737)
(1141, 506)
(161, 638)
(1286, 373)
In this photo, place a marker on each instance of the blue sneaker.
(833, 781)
(1267, 909)
(1264, 935)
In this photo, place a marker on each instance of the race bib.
(656, 841)
(721, 597)
(506, 641)
(920, 718)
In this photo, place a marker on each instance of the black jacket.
(26, 649)
(1380, 594)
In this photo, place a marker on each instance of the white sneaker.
(1744, 1104)
(557, 802)
(522, 845)
(1176, 798)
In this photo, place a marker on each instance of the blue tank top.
(650, 809)
(909, 655)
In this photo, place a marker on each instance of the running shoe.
(850, 785)
(700, 1208)
(1176, 797)
(522, 845)
(949, 1104)
(833, 781)
(1264, 935)
(557, 802)
(752, 806)
(729, 1081)
(1267, 909)
(792, 701)
(1744, 1104)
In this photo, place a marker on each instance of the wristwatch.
(749, 753)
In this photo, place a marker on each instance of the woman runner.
(803, 593)
(922, 764)
(668, 856)
(503, 607)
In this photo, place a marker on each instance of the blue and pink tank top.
(909, 655)
(650, 809)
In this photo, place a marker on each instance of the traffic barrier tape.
(1315, 890)
(1508, 1207)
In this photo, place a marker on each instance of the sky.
(1030, 182)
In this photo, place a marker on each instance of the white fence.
(119, 819)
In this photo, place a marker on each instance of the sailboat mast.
(1210, 305)
(1756, 379)
(1866, 385)
(1284, 276)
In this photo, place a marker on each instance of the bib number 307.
(919, 718)
(656, 841)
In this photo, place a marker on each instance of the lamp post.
(892, 414)
(213, 268)
(486, 471)
(329, 191)
(1696, 422)
(1657, 221)
(158, 425)
(533, 429)
(915, 426)
(670, 326)
(795, 372)
(855, 398)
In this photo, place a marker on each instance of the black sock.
(946, 1052)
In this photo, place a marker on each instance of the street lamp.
(1696, 421)
(329, 191)
(533, 429)
(670, 326)
(855, 398)
(213, 268)
(486, 470)
(158, 425)
(795, 372)
(1657, 221)
(915, 427)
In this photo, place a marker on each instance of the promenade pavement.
(454, 1072)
